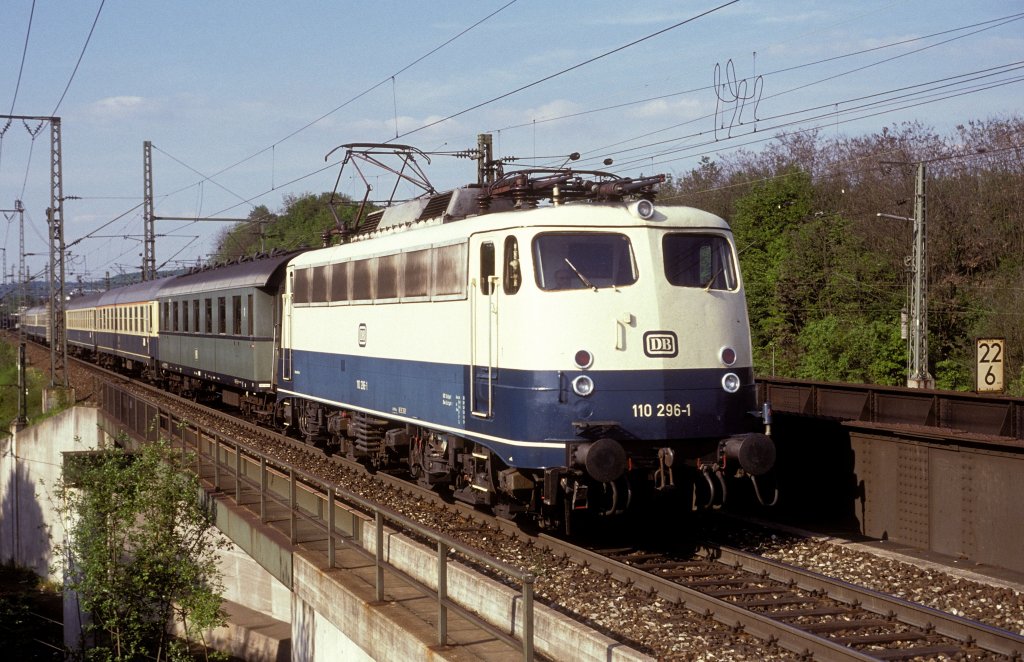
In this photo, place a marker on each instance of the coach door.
(483, 298)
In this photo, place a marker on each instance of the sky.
(242, 100)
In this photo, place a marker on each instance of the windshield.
(572, 261)
(699, 260)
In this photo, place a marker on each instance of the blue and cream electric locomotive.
(541, 342)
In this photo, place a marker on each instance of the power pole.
(58, 338)
(149, 216)
(484, 158)
(19, 282)
(20, 422)
(919, 376)
(149, 232)
(917, 340)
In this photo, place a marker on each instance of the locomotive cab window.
(486, 266)
(512, 272)
(699, 260)
(573, 261)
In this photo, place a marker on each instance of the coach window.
(512, 273)
(301, 285)
(236, 315)
(222, 310)
(195, 315)
(450, 271)
(339, 281)
(364, 274)
(208, 319)
(486, 266)
(165, 319)
(387, 276)
(319, 287)
(184, 316)
(174, 314)
(416, 273)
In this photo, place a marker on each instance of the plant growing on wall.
(141, 552)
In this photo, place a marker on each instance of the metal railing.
(312, 500)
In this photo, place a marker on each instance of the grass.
(9, 387)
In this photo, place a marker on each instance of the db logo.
(661, 344)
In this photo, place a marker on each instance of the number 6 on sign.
(990, 365)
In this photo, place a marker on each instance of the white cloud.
(121, 107)
(680, 109)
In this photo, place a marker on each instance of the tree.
(301, 223)
(816, 257)
(764, 223)
(141, 552)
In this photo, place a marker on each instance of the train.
(543, 343)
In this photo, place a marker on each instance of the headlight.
(643, 209)
(730, 382)
(583, 386)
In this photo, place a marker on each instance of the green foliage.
(826, 278)
(862, 351)
(301, 223)
(9, 387)
(953, 375)
(763, 225)
(142, 551)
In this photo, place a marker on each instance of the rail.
(232, 464)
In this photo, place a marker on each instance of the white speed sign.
(990, 364)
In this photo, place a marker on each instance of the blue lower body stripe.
(531, 413)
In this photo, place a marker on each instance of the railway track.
(795, 607)
(791, 612)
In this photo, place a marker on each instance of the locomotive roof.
(250, 273)
(135, 293)
(582, 216)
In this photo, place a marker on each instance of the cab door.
(483, 301)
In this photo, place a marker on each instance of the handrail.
(174, 426)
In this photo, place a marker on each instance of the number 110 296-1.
(661, 410)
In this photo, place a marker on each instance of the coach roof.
(138, 293)
(250, 273)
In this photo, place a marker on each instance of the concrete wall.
(30, 467)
